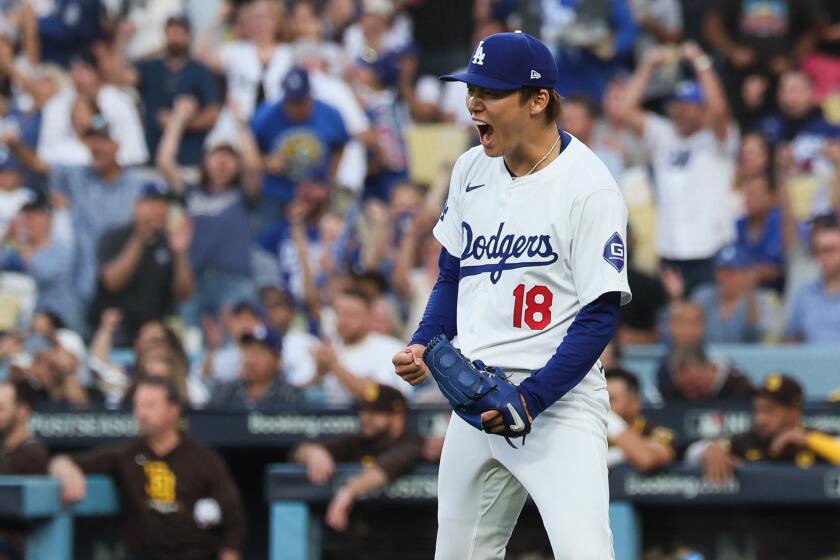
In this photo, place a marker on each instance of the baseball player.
(532, 274)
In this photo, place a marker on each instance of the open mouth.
(485, 132)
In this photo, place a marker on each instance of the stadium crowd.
(238, 197)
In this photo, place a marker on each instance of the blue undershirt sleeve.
(589, 334)
(441, 310)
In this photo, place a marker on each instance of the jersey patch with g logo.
(614, 252)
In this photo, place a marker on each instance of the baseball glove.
(473, 388)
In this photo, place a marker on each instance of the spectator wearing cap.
(300, 138)
(223, 358)
(162, 80)
(219, 206)
(777, 436)
(144, 267)
(261, 384)
(97, 197)
(68, 115)
(697, 379)
(280, 313)
(735, 307)
(384, 446)
(48, 261)
(814, 313)
(325, 63)
(693, 156)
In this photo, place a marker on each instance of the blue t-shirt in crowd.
(221, 238)
(159, 85)
(814, 316)
(306, 146)
(807, 136)
(769, 247)
(69, 28)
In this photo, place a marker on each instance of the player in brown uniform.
(777, 435)
(20, 452)
(177, 496)
(632, 438)
(384, 447)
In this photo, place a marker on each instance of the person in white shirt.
(254, 66)
(694, 154)
(59, 141)
(361, 359)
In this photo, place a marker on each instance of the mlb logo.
(614, 252)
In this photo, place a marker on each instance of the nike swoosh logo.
(473, 187)
(518, 425)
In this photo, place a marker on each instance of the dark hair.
(629, 379)
(356, 293)
(554, 109)
(172, 394)
(286, 298)
(687, 354)
(374, 277)
(589, 104)
(54, 318)
(25, 393)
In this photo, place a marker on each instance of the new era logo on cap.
(535, 75)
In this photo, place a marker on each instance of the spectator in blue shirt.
(220, 209)
(814, 316)
(69, 28)
(99, 196)
(161, 80)
(47, 261)
(735, 309)
(759, 231)
(299, 138)
(800, 125)
(593, 41)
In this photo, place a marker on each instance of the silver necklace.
(548, 153)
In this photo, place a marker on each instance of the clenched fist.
(409, 364)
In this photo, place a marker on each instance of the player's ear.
(539, 101)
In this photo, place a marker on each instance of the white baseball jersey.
(533, 250)
(693, 179)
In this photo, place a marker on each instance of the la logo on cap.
(478, 56)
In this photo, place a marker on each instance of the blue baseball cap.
(154, 191)
(265, 336)
(733, 256)
(8, 162)
(509, 61)
(688, 92)
(296, 84)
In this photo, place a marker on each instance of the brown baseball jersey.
(159, 497)
(395, 457)
(30, 457)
